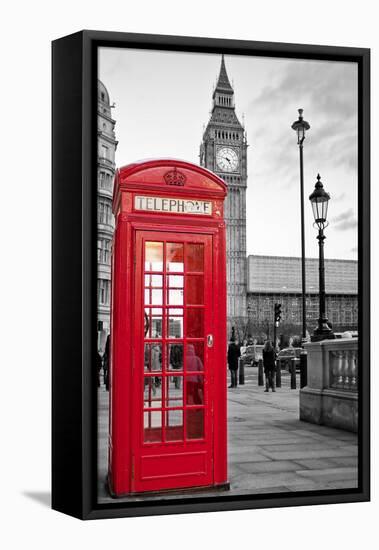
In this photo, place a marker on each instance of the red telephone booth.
(168, 332)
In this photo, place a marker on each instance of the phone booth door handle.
(210, 340)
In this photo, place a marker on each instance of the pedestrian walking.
(195, 381)
(233, 357)
(156, 364)
(99, 364)
(176, 362)
(269, 365)
(106, 361)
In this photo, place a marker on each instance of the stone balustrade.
(331, 396)
(343, 369)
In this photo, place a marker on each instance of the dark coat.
(99, 364)
(233, 356)
(106, 361)
(269, 360)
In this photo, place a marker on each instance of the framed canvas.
(211, 275)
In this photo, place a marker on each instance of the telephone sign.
(173, 205)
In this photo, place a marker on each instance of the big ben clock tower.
(224, 151)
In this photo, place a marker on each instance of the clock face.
(227, 159)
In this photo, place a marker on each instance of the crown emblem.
(174, 177)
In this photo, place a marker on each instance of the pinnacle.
(223, 79)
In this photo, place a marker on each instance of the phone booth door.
(172, 372)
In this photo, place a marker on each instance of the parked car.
(250, 355)
(285, 356)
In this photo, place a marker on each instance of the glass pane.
(153, 280)
(195, 323)
(153, 296)
(175, 281)
(175, 357)
(175, 297)
(156, 327)
(153, 256)
(152, 421)
(174, 391)
(174, 426)
(175, 327)
(195, 290)
(155, 311)
(152, 392)
(195, 389)
(195, 257)
(153, 324)
(325, 214)
(174, 257)
(153, 357)
(195, 423)
(176, 311)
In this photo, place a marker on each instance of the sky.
(163, 102)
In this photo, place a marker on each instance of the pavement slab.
(299, 453)
(346, 461)
(315, 463)
(331, 474)
(269, 466)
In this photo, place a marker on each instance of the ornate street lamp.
(319, 200)
(301, 126)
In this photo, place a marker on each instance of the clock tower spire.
(224, 151)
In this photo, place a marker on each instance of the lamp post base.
(322, 332)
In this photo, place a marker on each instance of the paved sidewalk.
(270, 449)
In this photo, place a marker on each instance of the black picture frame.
(74, 405)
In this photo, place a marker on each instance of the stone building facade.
(224, 151)
(277, 279)
(107, 144)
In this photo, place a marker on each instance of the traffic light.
(278, 313)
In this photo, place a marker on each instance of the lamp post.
(301, 126)
(319, 200)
